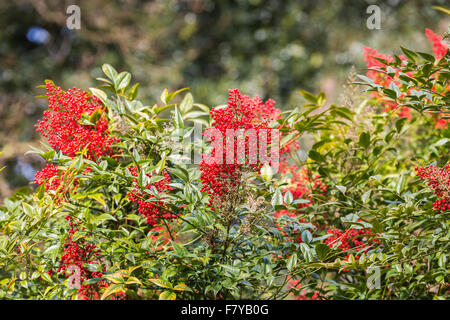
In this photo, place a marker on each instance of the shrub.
(118, 212)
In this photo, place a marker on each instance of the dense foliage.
(359, 207)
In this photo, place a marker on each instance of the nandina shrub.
(358, 208)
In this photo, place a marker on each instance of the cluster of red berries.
(53, 177)
(64, 130)
(78, 253)
(62, 127)
(302, 295)
(352, 239)
(149, 206)
(241, 113)
(439, 46)
(439, 180)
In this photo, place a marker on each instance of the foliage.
(130, 220)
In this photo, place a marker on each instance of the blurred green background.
(265, 47)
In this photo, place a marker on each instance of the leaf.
(167, 295)
(161, 283)
(399, 124)
(306, 236)
(364, 140)
(321, 99)
(322, 251)
(365, 196)
(182, 287)
(99, 94)
(426, 56)
(441, 142)
(266, 172)
(114, 288)
(133, 280)
(99, 197)
(115, 278)
(163, 96)
(187, 103)
(96, 116)
(400, 183)
(178, 119)
(342, 189)
(288, 198)
(316, 156)
(133, 92)
(277, 199)
(409, 54)
(105, 217)
(123, 80)
(109, 71)
(28, 209)
(46, 277)
(161, 164)
(308, 96)
(442, 9)
(292, 262)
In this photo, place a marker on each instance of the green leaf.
(288, 198)
(133, 92)
(110, 72)
(412, 56)
(426, 56)
(115, 278)
(161, 283)
(178, 119)
(364, 140)
(95, 116)
(182, 287)
(308, 96)
(292, 262)
(306, 236)
(167, 295)
(163, 96)
(366, 196)
(342, 189)
(322, 251)
(29, 210)
(123, 80)
(316, 156)
(399, 124)
(99, 94)
(442, 9)
(187, 103)
(277, 199)
(114, 288)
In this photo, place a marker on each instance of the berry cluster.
(55, 179)
(78, 253)
(62, 127)
(241, 113)
(439, 46)
(352, 239)
(302, 295)
(439, 180)
(149, 206)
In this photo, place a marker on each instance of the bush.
(319, 202)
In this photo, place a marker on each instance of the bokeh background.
(266, 47)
